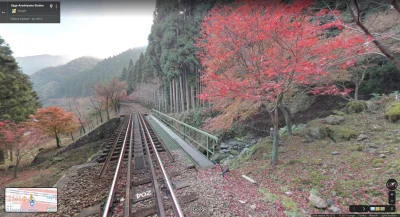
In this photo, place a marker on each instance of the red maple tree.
(259, 50)
(55, 121)
(20, 139)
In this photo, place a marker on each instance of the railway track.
(141, 186)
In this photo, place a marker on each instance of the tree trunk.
(108, 114)
(58, 141)
(287, 118)
(378, 43)
(83, 127)
(276, 138)
(187, 92)
(16, 167)
(182, 92)
(197, 91)
(2, 159)
(72, 137)
(11, 155)
(173, 96)
(159, 98)
(356, 91)
(192, 96)
(170, 96)
(101, 117)
(5, 154)
(176, 97)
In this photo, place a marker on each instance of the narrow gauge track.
(140, 185)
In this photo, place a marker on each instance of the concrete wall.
(103, 131)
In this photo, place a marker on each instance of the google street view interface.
(276, 108)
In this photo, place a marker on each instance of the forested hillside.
(170, 56)
(78, 77)
(32, 64)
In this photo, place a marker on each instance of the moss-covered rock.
(318, 133)
(372, 106)
(393, 112)
(334, 120)
(355, 106)
(339, 133)
(234, 152)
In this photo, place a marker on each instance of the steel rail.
(161, 211)
(114, 182)
(105, 165)
(127, 206)
(177, 207)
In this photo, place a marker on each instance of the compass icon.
(391, 184)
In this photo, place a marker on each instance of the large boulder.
(393, 112)
(334, 119)
(298, 100)
(318, 133)
(372, 106)
(317, 201)
(339, 133)
(355, 107)
(362, 137)
(224, 145)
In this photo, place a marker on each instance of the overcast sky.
(88, 28)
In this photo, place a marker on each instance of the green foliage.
(381, 79)
(17, 99)
(283, 131)
(393, 112)
(394, 93)
(377, 96)
(124, 74)
(197, 117)
(237, 130)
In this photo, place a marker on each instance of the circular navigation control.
(391, 184)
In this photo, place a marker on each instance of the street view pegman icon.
(391, 184)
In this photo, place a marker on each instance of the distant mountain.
(78, 77)
(48, 81)
(32, 64)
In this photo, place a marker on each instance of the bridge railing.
(203, 140)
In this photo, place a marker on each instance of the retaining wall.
(103, 131)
